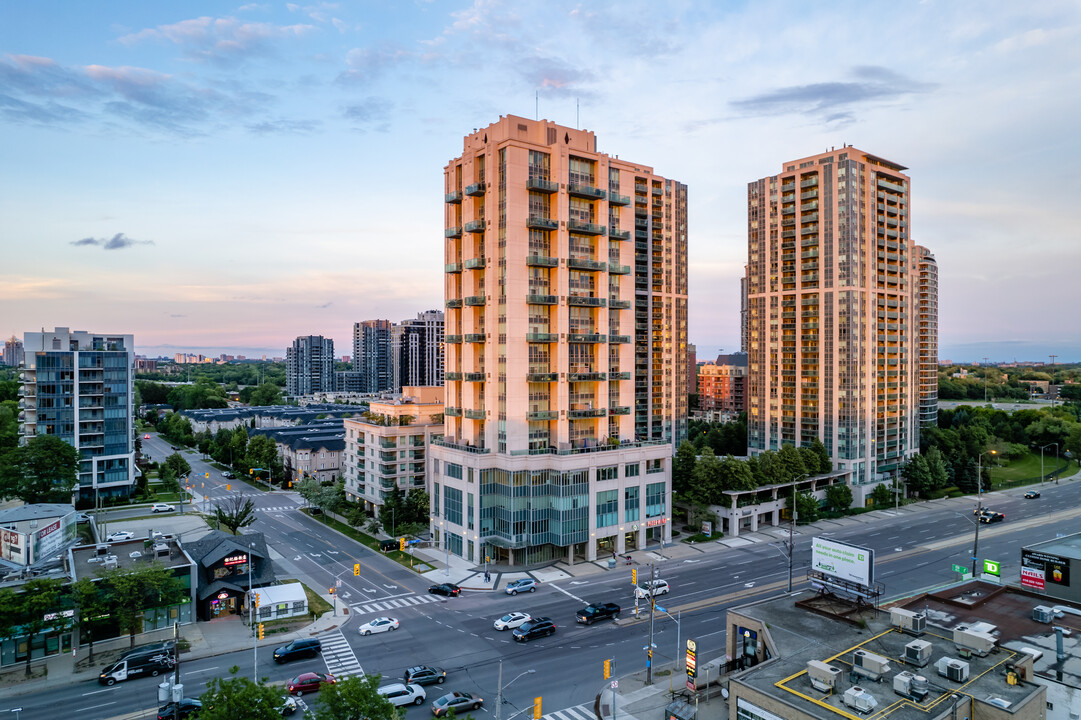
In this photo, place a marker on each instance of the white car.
(161, 507)
(654, 587)
(511, 621)
(382, 624)
(399, 694)
(120, 535)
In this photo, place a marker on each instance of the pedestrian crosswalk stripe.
(339, 657)
(402, 602)
(578, 712)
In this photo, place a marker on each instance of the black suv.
(304, 647)
(597, 611)
(535, 628)
(424, 675)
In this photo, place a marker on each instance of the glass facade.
(534, 507)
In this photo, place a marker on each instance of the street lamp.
(1041, 458)
(979, 506)
(676, 620)
(501, 686)
(792, 528)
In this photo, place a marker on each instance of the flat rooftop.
(87, 562)
(800, 635)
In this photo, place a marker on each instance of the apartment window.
(435, 499)
(655, 495)
(632, 470)
(454, 470)
(607, 508)
(607, 473)
(631, 503)
(469, 510)
(654, 466)
(539, 164)
(452, 505)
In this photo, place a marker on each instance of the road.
(914, 551)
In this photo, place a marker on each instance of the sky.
(219, 177)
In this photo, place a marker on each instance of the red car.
(146, 437)
(308, 682)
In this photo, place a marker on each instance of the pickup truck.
(597, 611)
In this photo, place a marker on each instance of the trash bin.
(611, 562)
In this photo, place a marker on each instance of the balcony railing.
(586, 264)
(454, 197)
(541, 377)
(452, 339)
(542, 299)
(619, 376)
(586, 191)
(453, 376)
(619, 339)
(535, 222)
(474, 377)
(453, 267)
(448, 443)
(473, 300)
(538, 415)
(540, 185)
(474, 189)
(619, 410)
(542, 337)
(617, 234)
(586, 228)
(541, 261)
(618, 304)
(586, 338)
(454, 303)
(474, 414)
(617, 269)
(451, 411)
(586, 377)
(616, 199)
(453, 232)
(475, 226)
(585, 301)
(474, 263)
(474, 337)
(594, 413)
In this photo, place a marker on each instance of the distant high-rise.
(566, 382)
(13, 352)
(309, 365)
(78, 386)
(417, 351)
(692, 369)
(925, 299)
(372, 356)
(831, 320)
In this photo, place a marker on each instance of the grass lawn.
(1025, 470)
(402, 558)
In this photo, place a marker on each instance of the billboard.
(1040, 570)
(843, 561)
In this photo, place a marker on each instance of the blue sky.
(213, 175)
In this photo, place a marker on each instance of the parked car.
(992, 517)
(299, 648)
(535, 628)
(227, 475)
(188, 707)
(652, 588)
(447, 589)
(162, 507)
(380, 624)
(425, 675)
(597, 611)
(400, 694)
(456, 701)
(308, 682)
(511, 621)
(82, 517)
(521, 585)
(120, 535)
(1032, 494)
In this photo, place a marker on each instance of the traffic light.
(607, 669)
(401, 544)
(228, 486)
(251, 471)
(634, 576)
(255, 600)
(206, 475)
(356, 568)
(260, 631)
(536, 708)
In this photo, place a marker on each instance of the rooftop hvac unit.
(999, 702)
(951, 669)
(1043, 614)
(110, 562)
(822, 676)
(980, 643)
(161, 550)
(981, 627)
(135, 555)
(869, 665)
(918, 653)
(908, 621)
(859, 699)
(908, 685)
(104, 550)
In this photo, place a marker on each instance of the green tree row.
(229, 375)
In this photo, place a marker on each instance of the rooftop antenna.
(537, 111)
(577, 116)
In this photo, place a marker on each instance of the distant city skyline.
(201, 175)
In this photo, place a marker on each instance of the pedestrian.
(487, 576)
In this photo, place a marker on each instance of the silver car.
(521, 585)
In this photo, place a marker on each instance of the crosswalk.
(578, 712)
(276, 508)
(340, 659)
(401, 602)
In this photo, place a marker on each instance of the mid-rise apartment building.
(722, 387)
(831, 317)
(417, 351)
(309, 365)
(387, 447)
(925, 300)
(566, 383)
(372, 356)
(79, 387)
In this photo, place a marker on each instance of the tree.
(417, 506)
(38, 605)
(917, 473)
(806, 506)
(706, 488)
(180, 466)
(92, 608)
(825, 464)
(237, 696)
(235, 513)
(131, 591)
(839, 496)
(791, 462)
(44, 470)
(9, 426)
(355, 698)
(266, 394)
(683, 468)
(881, 495)
(308, 488)
(736, 475)
(936, 469)
(392, 510)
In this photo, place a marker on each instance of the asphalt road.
(914, 551)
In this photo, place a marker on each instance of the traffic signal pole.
(649, 648)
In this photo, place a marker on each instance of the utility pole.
(499, 692)
(176, 667)
(649, 648)
(252, 609)
(791, 539)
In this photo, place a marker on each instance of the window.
(469, 513)
(632, 470)
(654, 466)
(454, 470)
(607, 508)
(655, 495)
(631, 504)
(452, 506)
(608, 473)
(435, 499)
